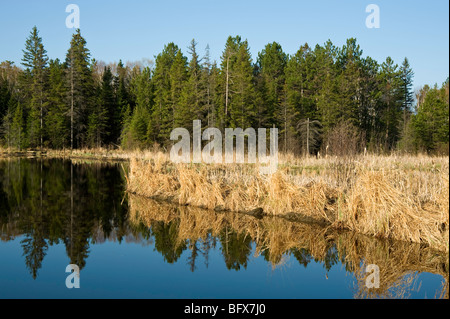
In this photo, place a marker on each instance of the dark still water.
(54, 213)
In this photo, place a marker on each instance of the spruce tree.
(431, 123)
(80, 88)
(271, 65)
(180, 112)
(138, 128)
(209, 75)
(57, 122)
(390, 110)
(236, 85)
(101, 117)
(193, 95)
(162, 79)
(123, 98)
(35, 62)
(406, 78)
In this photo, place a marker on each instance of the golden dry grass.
(399, 197)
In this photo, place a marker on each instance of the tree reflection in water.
(50, 202)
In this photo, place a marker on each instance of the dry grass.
(399, 262)
(87, 153)
(403, 198)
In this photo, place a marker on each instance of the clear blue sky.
(132, 30)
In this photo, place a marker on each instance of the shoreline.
(371, 196)
(400, 197)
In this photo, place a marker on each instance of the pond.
(56, 212)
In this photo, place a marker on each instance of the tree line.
(322, 99)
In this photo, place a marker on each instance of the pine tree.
(162, 79)
(349, 66)
(406, 75)
(180, 112)
(5, 96)
(101, 118)
(35, 61)
(300, 102)
(57, 123)
(325, 86)
(209, 75)
(271, 65)
(237, 89)
(123, 98)
(193, 92)
(138, 128)
(225, 82)
(80, 87)
(369, 97)
(431, 123)
(391, 102)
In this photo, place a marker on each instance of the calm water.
(54, 213)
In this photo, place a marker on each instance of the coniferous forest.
(323, 98)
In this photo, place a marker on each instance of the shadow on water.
(50, 202)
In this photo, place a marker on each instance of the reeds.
(403, 198)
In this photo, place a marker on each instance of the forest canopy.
(323, 98)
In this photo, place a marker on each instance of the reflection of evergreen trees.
(52, 201)
(55, 201)
(166, 240)
(302, 255)
(236, 248)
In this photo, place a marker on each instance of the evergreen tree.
(226, 80)
(237, 90)
(162, 113)
(349, 83)
(406, 78)
(209, 75)
(300, 99)
(35, 61)
(369, 97)
(180, 112)
(271, 66)
(103, 117)
(123, 98)
(431, 123)
(138, 128)
(57, 123)
(391, 103)
(80, 88)
(5, 96)
(325, 84)
(193, 95)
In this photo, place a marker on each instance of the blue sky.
(135, 29)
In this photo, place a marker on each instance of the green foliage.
(86, 103)
(35, 61)
(80, 87)
(57, 121)
(431, 123)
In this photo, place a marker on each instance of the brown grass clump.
(389, 204)
(391, 197)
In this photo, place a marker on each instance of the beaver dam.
(400, 198)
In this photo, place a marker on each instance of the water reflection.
(50, 202)
(54, 201)
(276, 238)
